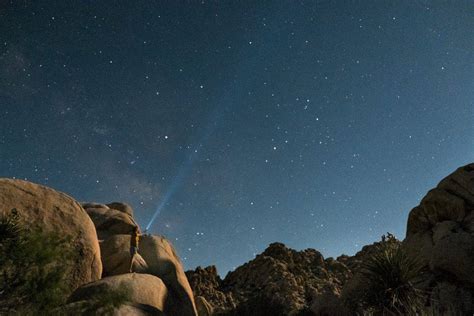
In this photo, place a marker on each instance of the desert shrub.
(34, 266)
(388, 281)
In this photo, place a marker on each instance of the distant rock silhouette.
(280, 280)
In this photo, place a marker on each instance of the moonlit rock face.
(109, 221)
(115, 254)
(53, 211)
(440, 233)
(143, 289)
(164, 262)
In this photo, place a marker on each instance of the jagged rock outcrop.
(205, 282)
(288, 279)
(440, 232)
(111, 221)
(53, 211)
(143, 289)
(280, 280)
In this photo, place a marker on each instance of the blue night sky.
(318, 124)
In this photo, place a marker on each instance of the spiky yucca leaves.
(390, 277)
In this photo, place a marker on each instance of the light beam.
(186, 167)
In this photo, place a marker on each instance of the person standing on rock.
(134, 240)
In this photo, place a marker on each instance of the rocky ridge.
(440, 234)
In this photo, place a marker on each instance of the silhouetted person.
(134, 240)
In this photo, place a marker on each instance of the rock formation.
(163, 262)
(114, 223)
(52, 211)
(115, 253)
(280, 280)
(100, 234)
(157, 257)
(206, 283)
(142, 289)
(112, 219)
(440, 232)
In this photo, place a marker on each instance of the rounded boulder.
(164, 262)
(52, 211)
(143, 289)
(109, 221)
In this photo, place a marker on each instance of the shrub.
(389, 278)
(34, 266)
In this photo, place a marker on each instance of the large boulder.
(143, 289)
(163, 262)
(123, 207)
(115, 254)
(53, 211)
(440, 232)
(111, 219)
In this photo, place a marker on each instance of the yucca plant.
(390, 278)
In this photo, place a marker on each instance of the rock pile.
(161, 284)
(280, 280)
(100, 234)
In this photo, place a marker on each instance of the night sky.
(318, 124)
